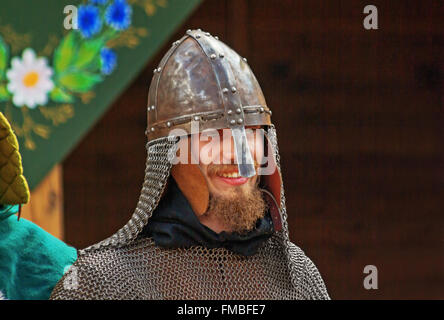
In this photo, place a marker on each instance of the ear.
(273, 182)
(193, 185)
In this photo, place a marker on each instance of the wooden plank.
(237, 17)
(46, 205)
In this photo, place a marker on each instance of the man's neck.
(210, 221)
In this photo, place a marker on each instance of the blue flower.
(108, 59)
(118, 15)
(98, 1)
(89, 20)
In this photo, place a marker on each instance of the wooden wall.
(360, 122)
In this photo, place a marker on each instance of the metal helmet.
(202, 79)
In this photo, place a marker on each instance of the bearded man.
(211, 221)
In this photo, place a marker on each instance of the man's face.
(235, 201)
(220, 167)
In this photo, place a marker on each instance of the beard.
(239, 212)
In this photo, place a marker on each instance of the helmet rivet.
(207, 34)
(168, 124)
(240, 121)
(216, 37)
(238, 110)
(159, 69)
(153, 107)
(200, 30)
(221, 55)
(230, 112)
(233, 121)
(152, 129)
(233, 89)
(270, 112)
(189, 31)
(197, 36)
(155, 70)
(245, 59)
(224, 90)
(261, 110)
(213, 56)
(196, 118)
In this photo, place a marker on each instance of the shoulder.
(99, 273)
(85, 278)
(309, 280)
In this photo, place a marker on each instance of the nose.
(227, 151)
(227, 147)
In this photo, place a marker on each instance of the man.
(211, 221)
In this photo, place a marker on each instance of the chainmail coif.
(129, 266)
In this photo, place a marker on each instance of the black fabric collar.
(174, 225)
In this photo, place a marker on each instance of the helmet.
(202, 79)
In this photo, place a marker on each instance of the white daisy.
(29, 80)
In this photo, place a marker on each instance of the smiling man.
(211, 221)
(228, 191)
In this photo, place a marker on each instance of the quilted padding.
(13, 186)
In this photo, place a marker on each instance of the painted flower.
(118, 15)
(89, 21)
(108, 59)
(29, 80)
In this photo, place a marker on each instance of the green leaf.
(4, 94)
(95, 65)
(64, 53)
(79, 81)
(89, 50)
(59, 95)
(3, 58)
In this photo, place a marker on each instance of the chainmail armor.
(128, 266)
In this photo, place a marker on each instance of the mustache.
(217, 169)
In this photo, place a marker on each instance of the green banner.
(59, 74)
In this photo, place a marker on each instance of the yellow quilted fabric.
(13, 186)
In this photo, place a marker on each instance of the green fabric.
(31, 260)
(8, 210)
